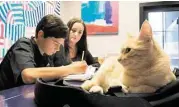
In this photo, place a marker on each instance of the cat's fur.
(141, 67)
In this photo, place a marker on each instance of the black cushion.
(56, 94)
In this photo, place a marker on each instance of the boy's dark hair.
(52, 26)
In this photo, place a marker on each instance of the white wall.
(100, 45)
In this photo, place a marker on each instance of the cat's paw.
(125, 89)
(96, 89)
(87, 85)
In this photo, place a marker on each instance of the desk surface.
(22, 96)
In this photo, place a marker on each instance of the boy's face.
(50, 45)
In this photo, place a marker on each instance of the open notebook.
(82, 77)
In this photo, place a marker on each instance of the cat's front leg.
(96, 89)
(93, 86)
(100, 81)
(88, 84)
(125, 89)
(96, 85)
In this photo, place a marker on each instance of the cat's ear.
(145, 31)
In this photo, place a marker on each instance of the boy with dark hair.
(33, 58)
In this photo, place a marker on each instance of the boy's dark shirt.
(25, 54)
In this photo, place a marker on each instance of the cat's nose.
(119, 59)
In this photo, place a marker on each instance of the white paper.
(82, 77)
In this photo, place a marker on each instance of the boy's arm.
(29, 75)
(24, 66)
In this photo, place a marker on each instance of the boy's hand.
(79, 67)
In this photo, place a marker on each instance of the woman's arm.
(90, 59)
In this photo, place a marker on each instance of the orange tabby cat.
(141, 67)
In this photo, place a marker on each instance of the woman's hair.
(82, 43)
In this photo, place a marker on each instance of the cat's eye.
(127, 50)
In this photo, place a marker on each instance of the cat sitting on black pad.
(141, 67)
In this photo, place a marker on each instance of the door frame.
(145, 8)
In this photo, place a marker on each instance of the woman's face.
(76, 33)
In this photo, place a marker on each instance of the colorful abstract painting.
(101, 17)
(19, 19)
